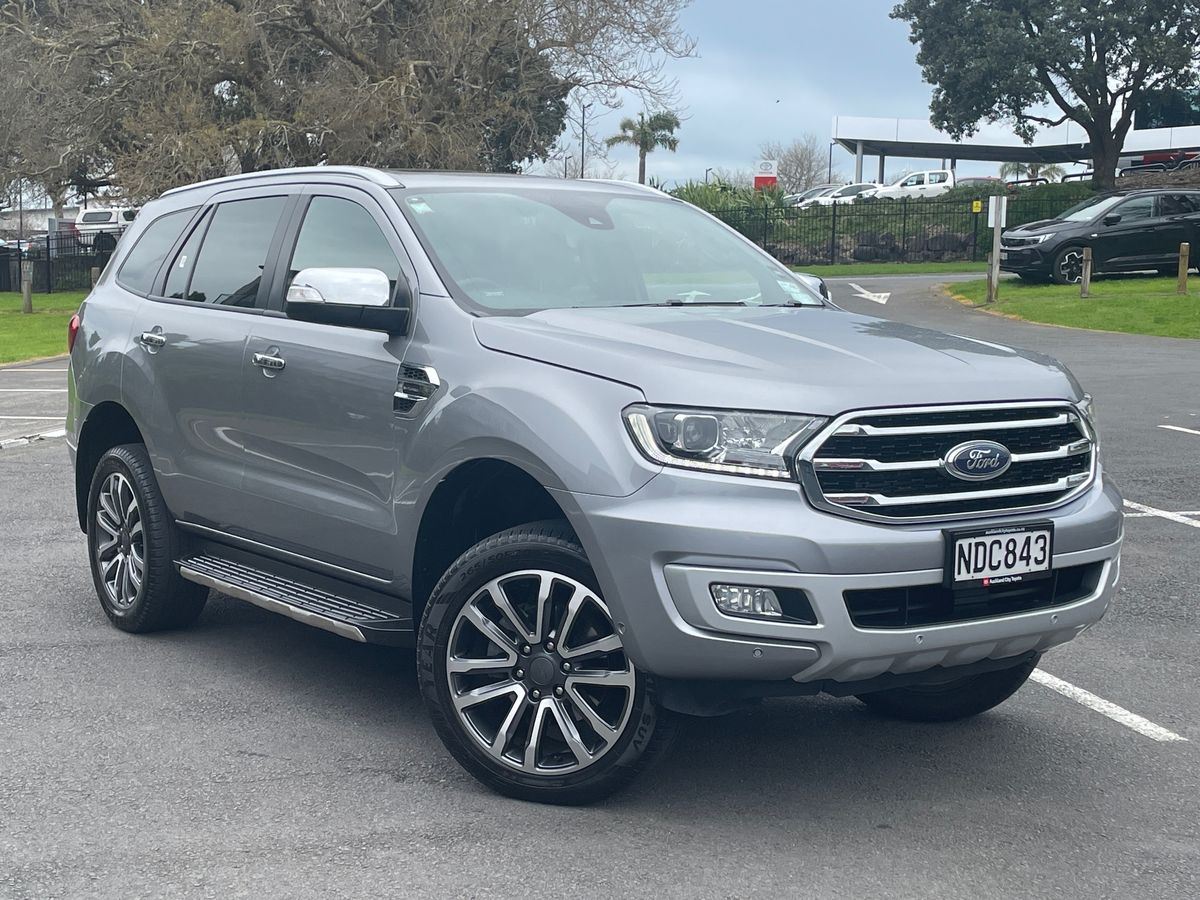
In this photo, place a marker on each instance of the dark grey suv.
(599, 458)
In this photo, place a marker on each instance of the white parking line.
(1181, 518)
(1180, 428)
(33, 418)
(29, 371)
(1105, 707)
(33, 390)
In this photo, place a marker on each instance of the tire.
(955, 700)
(1068, 266)
(127, 514)
(622, 728)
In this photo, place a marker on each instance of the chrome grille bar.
(860, 429)
(830, 464)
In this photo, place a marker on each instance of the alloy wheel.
(1070, 266)
(538, 674)
(120, 546)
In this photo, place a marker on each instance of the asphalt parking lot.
(252, 756)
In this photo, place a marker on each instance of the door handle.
(268, 363)
(152, 339)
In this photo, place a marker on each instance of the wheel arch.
(107, 425)
(475, 499)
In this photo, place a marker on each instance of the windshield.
(1089, 209)
(529, 249)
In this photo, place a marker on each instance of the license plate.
(1003, 255)
(1007, 554)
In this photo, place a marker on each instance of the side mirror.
(1112, 219)
(352, 298)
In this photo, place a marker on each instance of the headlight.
(1040, 239)
(736, 443)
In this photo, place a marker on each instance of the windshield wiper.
(675, 301)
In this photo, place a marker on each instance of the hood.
(1031, 229)
(818, 360)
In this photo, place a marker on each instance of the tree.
(647, 133)
(1014, 60)
(802, 163)
(1018, 170)
(152, 95)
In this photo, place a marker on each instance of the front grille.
(888, 465)
(934, 604)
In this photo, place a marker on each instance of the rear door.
(1129, 242)
(321, 433)
(1177, 222)
(190, 339)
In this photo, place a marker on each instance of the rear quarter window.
(94, 217)
(140, 267)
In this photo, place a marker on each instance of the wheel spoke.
(106, 549)
(570, 733)
(105, 521)
(504, 732)
(574, 605)
(533, 745)
(489, 629)
(600, 645)
(486, 693)
(545, 584)
(599, 725)
(134, 571)
(495, 590)
(602, 679)
(459, 665)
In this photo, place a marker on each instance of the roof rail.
(375, 176)
(632, 185)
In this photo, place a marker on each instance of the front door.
(321, 434)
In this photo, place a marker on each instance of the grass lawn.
(41, 333)
(1134, 305)
(894, 268)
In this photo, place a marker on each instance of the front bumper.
(657, 552)
(1025, 261)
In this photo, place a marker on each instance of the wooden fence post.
(26, 290)
(1184, 251)
(95, 273)
(1085, 283)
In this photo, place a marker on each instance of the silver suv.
(596, 456)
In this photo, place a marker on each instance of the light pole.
(706, 171)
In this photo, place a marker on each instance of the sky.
(775, 69)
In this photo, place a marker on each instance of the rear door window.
(140, 267)
(1136, 208)
(229, 265)
(1178, 204)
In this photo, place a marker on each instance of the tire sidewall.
(114, 462)
(460, 584)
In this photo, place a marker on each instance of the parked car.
(600, 458)
(817, 190)
(979, 181)
(847, 193)
(919, 184)
(1128, 231)
(91, 221)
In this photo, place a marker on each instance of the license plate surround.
(952, 536)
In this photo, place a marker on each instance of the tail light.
(72, 332)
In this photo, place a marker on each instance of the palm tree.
(1031, 170)
(647, 134)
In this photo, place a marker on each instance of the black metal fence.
(907, 230)
(57, 261)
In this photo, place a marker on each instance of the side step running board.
(296, 600)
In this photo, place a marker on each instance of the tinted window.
(1137, 208)
(937, 177)
(914, 180)
(341, 233)
(230, 264)
(1178, 204)
(96, 217)
(182, 265)
(129, 215)
(142, 264)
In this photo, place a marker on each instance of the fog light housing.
(740, 600)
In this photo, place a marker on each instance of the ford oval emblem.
(977, 460)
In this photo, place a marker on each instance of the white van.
(115, 218)
(919, 184)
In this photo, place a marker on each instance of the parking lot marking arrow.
(867, 295)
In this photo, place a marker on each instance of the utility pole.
(583, 111)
